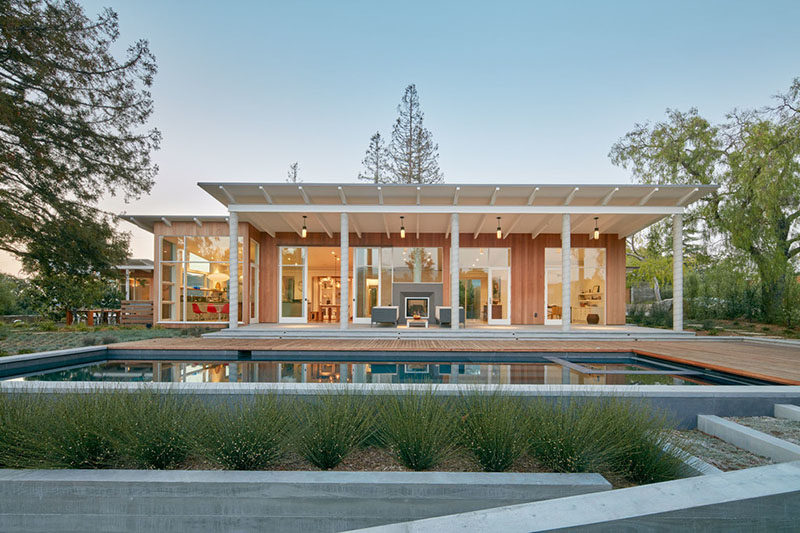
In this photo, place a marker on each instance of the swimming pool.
(521, 369)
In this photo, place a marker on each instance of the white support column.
(127, 284)
(677, 272)
(233, 282)
(344, 270)
(566, 273)
(454, 270)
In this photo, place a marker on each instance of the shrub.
(418, 427)
(491, 431)
(156, 430)
(108, 339)
(330, 426)
(47, 325)
(89, 340)
(247, 436)
(81, 327)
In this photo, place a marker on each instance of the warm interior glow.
(596, 234)
(499, 233)
(402, 232)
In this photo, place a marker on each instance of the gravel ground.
(718, 452)
(788, 430)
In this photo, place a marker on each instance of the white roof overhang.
(622, 209)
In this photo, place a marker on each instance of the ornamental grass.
(493, 430)
(420, 428)
(330, 426)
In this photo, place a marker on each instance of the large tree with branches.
(754, 155)
(73, 129)
(414, 155)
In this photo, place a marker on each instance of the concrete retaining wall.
(749, 439)
(789, 412)
(683, 403)
(765, 499)
(210, 501)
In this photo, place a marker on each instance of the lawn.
(30, 338)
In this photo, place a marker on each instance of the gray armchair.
(385, 314)
(443, 315)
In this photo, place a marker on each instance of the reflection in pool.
(556, 372)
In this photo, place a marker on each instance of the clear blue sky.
(512, 91)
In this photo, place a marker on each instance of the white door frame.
(498, 321)
(303, 319)
(549, 321)
(367, 319)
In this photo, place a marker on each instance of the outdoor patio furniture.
(443, 314)
(385, 314)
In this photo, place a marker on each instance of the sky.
(514, 92)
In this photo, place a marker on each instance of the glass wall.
(292, 282)
(195, 279)
(484, 284)
(587, 290)
(254, 262)
(417, 265)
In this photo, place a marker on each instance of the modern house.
(408, 255)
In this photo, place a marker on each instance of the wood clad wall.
(527, 266)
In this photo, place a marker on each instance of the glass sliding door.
(292, 289)
(587, 286)
(499, 305)
(367, 283)
(254, 272)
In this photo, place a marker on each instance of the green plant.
(47, 325)
(89, 340)
(331, 426)
(81, 327)
(109, 339)
(490, 429)
(247, 436)
(156, 429)
(419, 428)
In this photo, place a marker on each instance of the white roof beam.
(380, 195)
(226, 193)
(449, 227)
(262, 229)
(386, 226)
(532, 196)
(267, 197)
(198, 222)
(296, 229)
(607, 198)
(418, 217)
(455, 195)
(354, 225)
(304, 194)
(686, 197)
(646, 197)
(324, 224)
(512, 226)
(571, 195)
(466, 209)
(480, 226)
(165, 221)
(494, 196)
(342, 197)
(538, 228)
(419, 195)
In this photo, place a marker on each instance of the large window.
(587, 290)
(417, 265)
(195, 279)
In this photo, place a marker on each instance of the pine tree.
(414, 155)
(291, 176)
(377, 165)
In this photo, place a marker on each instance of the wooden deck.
(774, 362)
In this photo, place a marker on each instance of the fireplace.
(417, 305)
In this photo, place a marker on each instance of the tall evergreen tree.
(414, 155)
(377, 164)
(291, 175)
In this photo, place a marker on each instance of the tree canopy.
(754, 155)
(414, 155)
(73, 129)
(376, 162)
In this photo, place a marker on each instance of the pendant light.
(499, 231)
(596, 234)
(304, 232)
(402, 228)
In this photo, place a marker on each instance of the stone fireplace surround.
(401, 291)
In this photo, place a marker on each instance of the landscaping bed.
(788, 430)
(620, 439)
(22, 338)
(719, 453)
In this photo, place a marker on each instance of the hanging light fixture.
(304, 232)
(402, 228)
(596, 234)
(499, 231)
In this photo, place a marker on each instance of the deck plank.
(779, 363)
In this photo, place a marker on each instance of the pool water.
(633, 370)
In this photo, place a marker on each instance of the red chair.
(196, 310)
(211, 309)
(226, 309)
